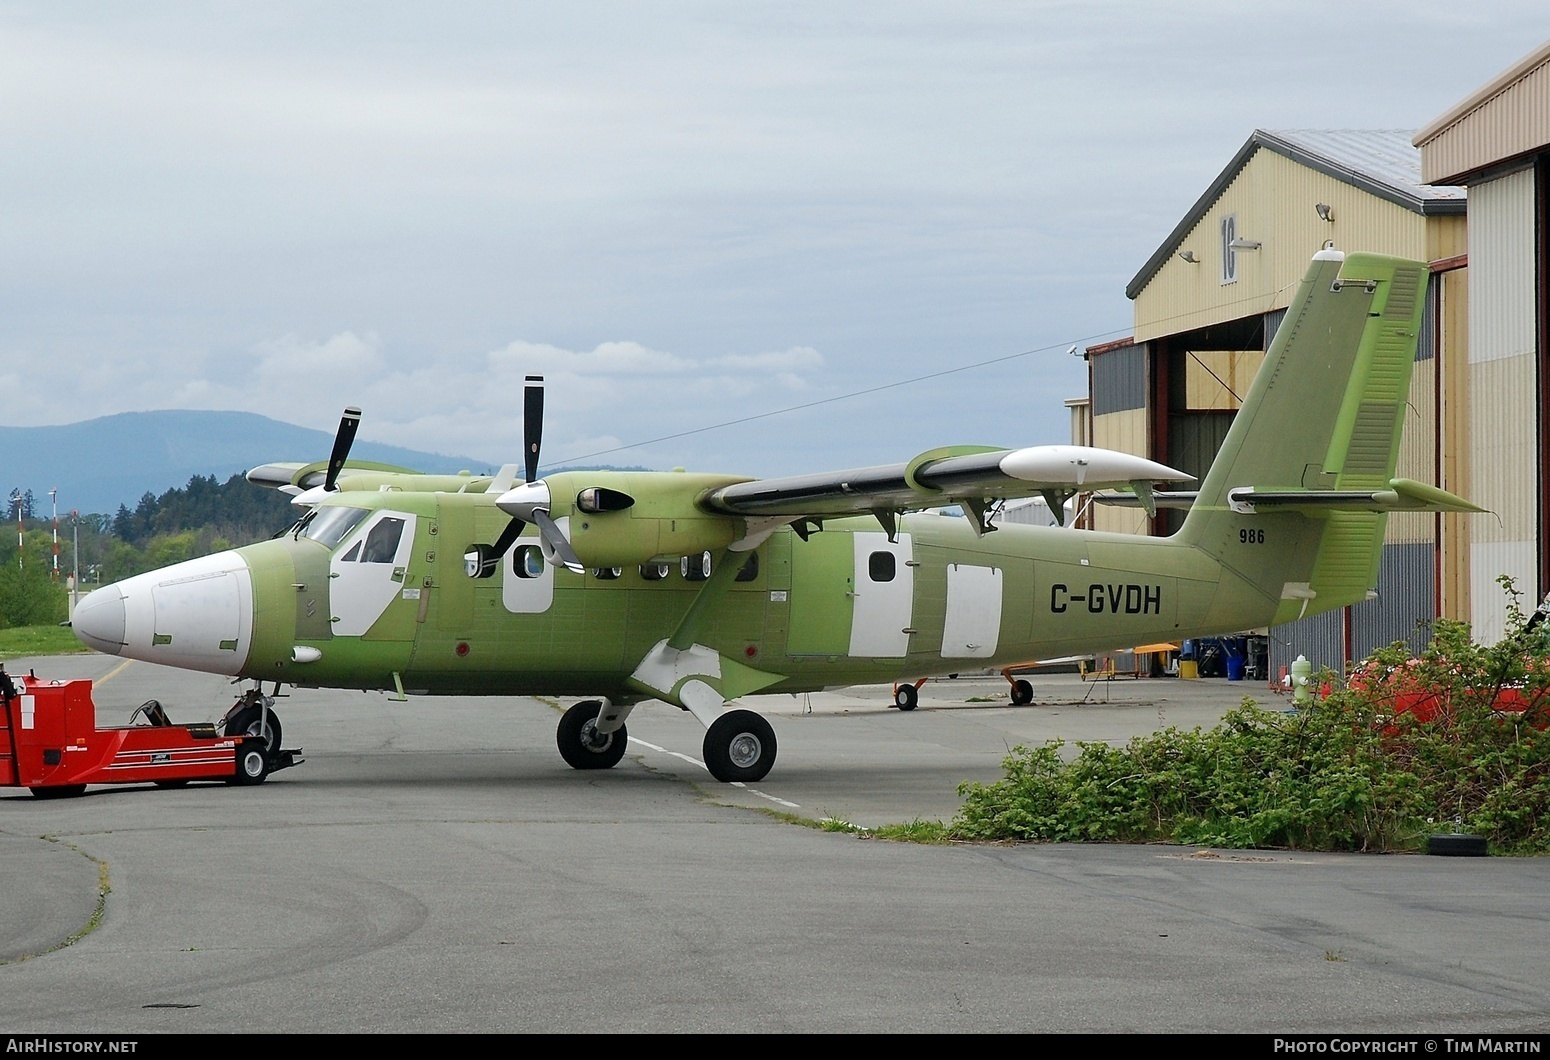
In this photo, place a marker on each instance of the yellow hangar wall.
(1274, 199)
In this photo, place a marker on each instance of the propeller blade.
(557, 541)
(348, 425)
(532, 423)
(508, 537)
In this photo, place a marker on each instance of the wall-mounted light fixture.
(1324, 211)
(1244, 244)
(1189, 256)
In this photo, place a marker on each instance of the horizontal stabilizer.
(1402, 495)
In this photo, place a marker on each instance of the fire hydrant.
(1302, 680)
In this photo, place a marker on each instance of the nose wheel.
(249, 718)
(582, 745)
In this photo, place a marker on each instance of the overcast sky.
(683, 214)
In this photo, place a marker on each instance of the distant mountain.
(99, 464)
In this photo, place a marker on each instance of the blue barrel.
(1235, 667)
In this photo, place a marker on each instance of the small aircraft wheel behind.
(1022, 692)
(249, 722)
(252, 763)
(739, 747)
(906, 696)
(582, 746)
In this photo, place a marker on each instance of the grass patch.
(916, 831)
(19, 641)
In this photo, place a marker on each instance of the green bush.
(1363, 768)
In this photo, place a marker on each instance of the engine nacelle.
(661, 519)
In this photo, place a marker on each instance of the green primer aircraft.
(701, 589)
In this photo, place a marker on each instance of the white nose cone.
(196, 615)
(99, 620)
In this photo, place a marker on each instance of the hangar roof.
(1381, 162)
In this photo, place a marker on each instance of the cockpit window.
(329, 525)
(382, 542)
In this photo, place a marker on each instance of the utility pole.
(75, 560)
(20, 540)
(53, 495)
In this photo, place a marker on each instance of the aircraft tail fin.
(1315, 445)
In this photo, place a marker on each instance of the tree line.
(183, 523)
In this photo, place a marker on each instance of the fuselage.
(376, 593)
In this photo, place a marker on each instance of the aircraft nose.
(196, 615)
(99, 620)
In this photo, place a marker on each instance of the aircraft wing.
(972, 476)
(304, 476)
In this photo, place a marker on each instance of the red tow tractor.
(50, 742)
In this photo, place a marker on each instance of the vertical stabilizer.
(1296, 502)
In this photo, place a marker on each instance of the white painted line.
(702, 765)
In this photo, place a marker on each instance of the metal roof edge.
(1475, 100)
(1357, 179)
(1193, 215)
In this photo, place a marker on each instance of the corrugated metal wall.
(1320, 639)
(1273, 198)
(1503, 396)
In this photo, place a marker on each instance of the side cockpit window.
(382, 541)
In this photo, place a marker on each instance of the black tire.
(577, 738)
(1457, 845)
(905, 697)
(249, 721)
(252, 763)
(1022, 693)
(63, 791)
(739, 747)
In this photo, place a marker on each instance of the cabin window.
(382, 541)
(880, 567)
(329, 525)
(750, 570)
(695, 568)
(352, 555)
(527, 561)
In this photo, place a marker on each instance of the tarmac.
(432, 866)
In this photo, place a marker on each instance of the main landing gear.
(739, 745)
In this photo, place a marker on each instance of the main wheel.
(252, 763)
(739, 747)
(906, 696)
(582, 746)
(1022, 692)
(250, 721)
